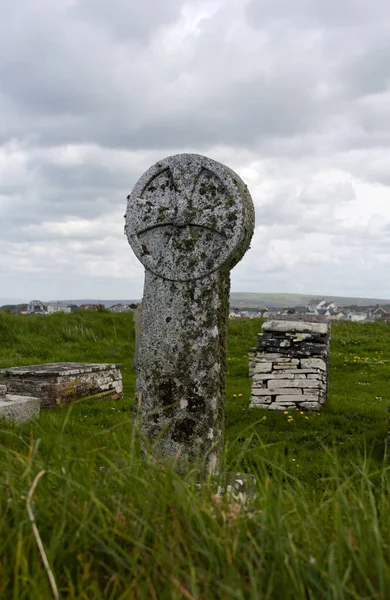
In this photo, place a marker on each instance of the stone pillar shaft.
(181, 368)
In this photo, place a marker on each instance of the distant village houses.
(54, 308)
(37, 307)
(92, 307)
(329, 310)
(122, 308)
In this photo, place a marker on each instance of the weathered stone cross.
(189, 220)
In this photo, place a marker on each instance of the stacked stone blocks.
(289, 367)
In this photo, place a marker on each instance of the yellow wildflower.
(234, 395)
(285, 412)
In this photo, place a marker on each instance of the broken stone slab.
(309, 397)
(308, 349)
(19, 409)
(260, 399)
(263, 405)
(278, 406)
(264, 391)
(56, 384)
(316, 406)
(261, 357)
(299, 371)
(287, 361)
(313, 363)
(314, 384)
(3, 390)
(299, 383)
(295, 398)
(295, 326)
(283, 390)
(263, 367)
(268, 376)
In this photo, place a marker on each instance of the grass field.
(114, 526)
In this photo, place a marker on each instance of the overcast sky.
(292, 94)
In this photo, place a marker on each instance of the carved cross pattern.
(201, 202)
(183, 219)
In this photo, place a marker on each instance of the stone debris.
(296, 376)
(61, 383)
(189, 220)
(238, 487)
(18, 409)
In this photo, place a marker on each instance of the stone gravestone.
(189, 220)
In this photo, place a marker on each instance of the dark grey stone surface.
(189, 220)
(61, 368)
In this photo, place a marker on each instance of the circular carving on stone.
(188, 216)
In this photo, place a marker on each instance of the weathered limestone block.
(189, 220)
(313, 363)
(283, 390)
(60, 383)
(279, 406)
(313, 405)
(19, 409)
(298, 327)
(260, 400)
(263, 367)
(298, 373)
(278, 375)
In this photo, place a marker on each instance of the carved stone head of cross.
(186, 218)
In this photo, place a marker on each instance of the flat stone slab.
(56, 384)
(296, 326)
(19, 409)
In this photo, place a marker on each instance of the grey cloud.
(316, 13)
(369, 72)
(128, 20)
(71, 85)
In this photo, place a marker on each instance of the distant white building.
(54, 308)
(355, 316)
(323, 308)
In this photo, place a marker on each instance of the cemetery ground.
(114, 526)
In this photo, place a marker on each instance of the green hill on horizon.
(278, 300)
